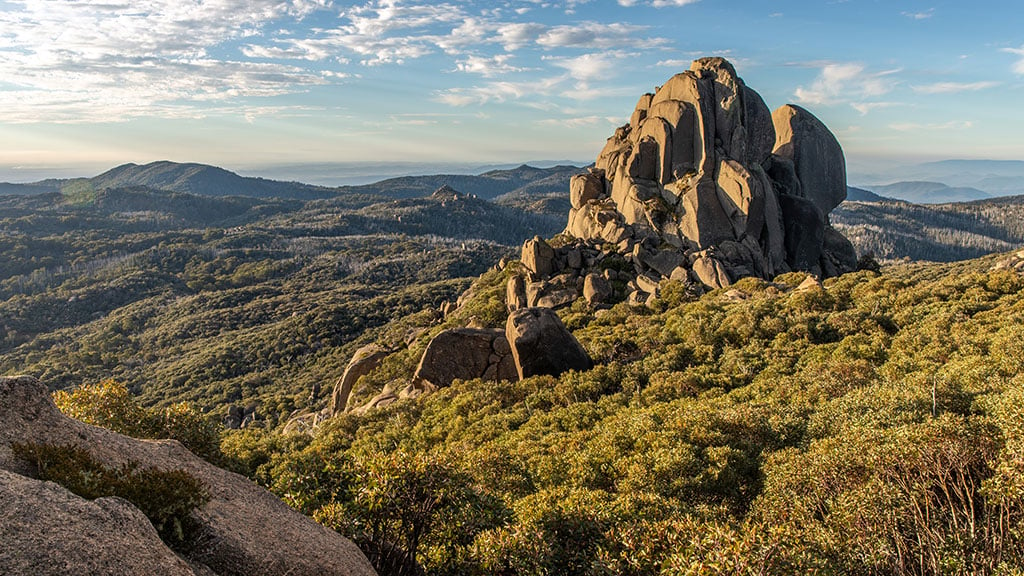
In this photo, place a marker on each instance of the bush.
(110, 405)
(166, 497)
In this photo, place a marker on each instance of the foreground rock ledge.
(47, 530)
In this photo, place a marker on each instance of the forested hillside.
(228, 300)
(935, 232)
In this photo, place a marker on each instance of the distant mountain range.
(893, 229)
(204, 180)
(922, 192)
(920, 220)
(946, 181)
(198, 179)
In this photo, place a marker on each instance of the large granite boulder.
(247, 530)
(538, 256)
(815, 153)
(364, 361)
(542, 345)
(703, 164)
(465, 354)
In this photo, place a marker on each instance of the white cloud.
(914, 127)
(598, 35)
(587, 68)
(844, 84)
(498, 92)
(487, 67)
(96, 61)
(517, 35)
(168, 90)
(865, 107)
(580, 121)
(953, 87)
(659, 3)
(674, 63)
(920, 15)
(1018, 66)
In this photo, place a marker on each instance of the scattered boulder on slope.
(247, 530)
(465, 354)
(364, 361)
(1014, 262)
(541, 344)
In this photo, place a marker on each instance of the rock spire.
(705, 171)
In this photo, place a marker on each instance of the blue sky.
(88, 84)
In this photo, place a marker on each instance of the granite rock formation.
(364, 361)
(542, 345)
(464, 354)
(706, 185)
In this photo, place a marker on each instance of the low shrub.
(166, 497)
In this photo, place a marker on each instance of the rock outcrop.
(47, 530)
(465, 354)
(705, 185)
(1014, 262)
(247, 530)
(364, 361)
(542, 345)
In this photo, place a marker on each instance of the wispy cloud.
(497, 92)
(580, 121)
(1018, 67)
(915, 127)
(488, 67)
(865, 107)
(598, 35)
(954, 87)
(94, 61)
(923, 15)
(589, 67)
(658, 3)
(846, 83)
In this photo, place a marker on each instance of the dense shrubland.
(870, 427)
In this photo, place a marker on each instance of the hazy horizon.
(860, 171)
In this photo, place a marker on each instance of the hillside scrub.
(872, 426)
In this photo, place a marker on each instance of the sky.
(251, 84)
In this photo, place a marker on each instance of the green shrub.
(166, 497)
(110, 405)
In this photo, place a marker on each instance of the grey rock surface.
(248, 530)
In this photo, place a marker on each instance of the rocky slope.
(48, 530)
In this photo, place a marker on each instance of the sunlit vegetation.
(875, 426)
(228, 301)
(167, 497)
(870, 427)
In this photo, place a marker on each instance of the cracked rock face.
(705, 170)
